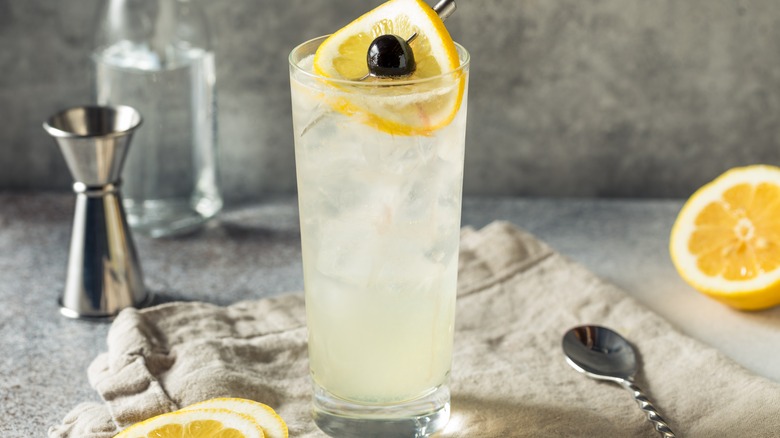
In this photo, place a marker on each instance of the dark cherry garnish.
(390, 56)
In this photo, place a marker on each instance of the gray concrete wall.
(568, 97)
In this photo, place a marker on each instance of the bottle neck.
(159, 26)
(164, 33)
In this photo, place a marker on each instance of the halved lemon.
(726, 239)
(199, 423)
(272, 424)
(410, 105)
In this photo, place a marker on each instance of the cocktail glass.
(380, 202)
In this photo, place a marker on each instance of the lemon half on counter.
(726, 239)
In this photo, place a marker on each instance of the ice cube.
(348, 251)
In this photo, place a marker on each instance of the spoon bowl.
(601, 353)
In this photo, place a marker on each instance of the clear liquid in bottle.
(170, 179)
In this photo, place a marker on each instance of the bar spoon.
(602, 354)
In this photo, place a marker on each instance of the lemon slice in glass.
(418, 104)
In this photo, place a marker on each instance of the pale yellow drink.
(380, 227)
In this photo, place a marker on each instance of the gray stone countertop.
(254, 252)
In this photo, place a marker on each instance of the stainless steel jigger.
(104, 275)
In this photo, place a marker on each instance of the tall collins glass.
(380, 205)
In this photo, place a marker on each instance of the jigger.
(104, 275)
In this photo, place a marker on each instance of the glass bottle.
(156, 56)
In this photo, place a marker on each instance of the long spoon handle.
(647, 407)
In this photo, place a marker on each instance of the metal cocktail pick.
(445, 8)
(104, 275)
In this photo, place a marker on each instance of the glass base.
(164, 218)
(421, 417)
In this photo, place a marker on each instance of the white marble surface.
(254, 252)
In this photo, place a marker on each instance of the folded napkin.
(516, 298)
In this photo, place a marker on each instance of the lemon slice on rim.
(726, 239)
(401, 106)
(272, 424)
(201, 423)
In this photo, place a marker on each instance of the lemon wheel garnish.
(272, 424)
(726, 239)
(410, 105)
(200, 423)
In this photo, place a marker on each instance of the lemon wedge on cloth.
(215, 418)
(205, 423)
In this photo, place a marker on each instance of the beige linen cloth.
(509, 379)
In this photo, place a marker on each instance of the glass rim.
(463, 54)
